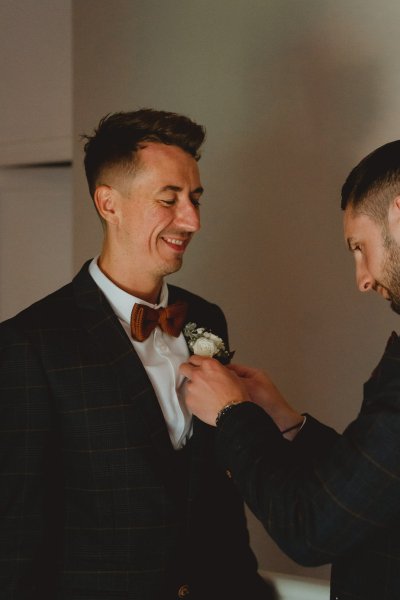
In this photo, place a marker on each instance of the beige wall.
(36, 78)
(293, 94)
(35, 234)
(35, 128)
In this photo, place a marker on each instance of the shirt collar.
(122, 302)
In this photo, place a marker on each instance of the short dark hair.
(119, 135)
(374, 182)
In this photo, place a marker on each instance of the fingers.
(194, 364)
(238, 369)
(197, 363)
(197, 360)
(186, 370)
(242, 370)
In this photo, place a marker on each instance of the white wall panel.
(36, 81)
(35, 235)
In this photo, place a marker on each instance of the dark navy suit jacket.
(94, 502)
(325, 497)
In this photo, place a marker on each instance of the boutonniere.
(205, 343)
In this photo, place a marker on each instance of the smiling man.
(151, 218)
(325, 497)
(109, 487)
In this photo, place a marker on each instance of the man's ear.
(105, 199)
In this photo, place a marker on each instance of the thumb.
(197, 360)
(241, 370)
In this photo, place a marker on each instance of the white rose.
(204, 347)
(217, 340)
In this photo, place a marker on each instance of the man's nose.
(363, 278)
(188, 216)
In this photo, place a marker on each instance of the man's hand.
(210, 387)
(262, 391)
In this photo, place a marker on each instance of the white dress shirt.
(161, 355)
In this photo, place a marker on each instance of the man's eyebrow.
(176, 188)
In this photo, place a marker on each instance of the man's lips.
(177, 244)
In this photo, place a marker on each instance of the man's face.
(158, 211)
(376, 254)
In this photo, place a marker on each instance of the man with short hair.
(109, 488)
(325, 497)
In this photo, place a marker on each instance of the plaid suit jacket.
(325, 497)
(94, 502)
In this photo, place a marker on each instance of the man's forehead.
(354, 217)
(348, 220)
(358, 224)
(158, 165)
(167, 166)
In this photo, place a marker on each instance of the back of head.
(374, 182)
(119, 135)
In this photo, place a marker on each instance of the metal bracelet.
(225, 409)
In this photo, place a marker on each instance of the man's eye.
(196, 203)
(168, 202)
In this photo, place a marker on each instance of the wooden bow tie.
(145, 319)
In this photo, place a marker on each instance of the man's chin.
(172, 266)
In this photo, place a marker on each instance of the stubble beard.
(391, 272)
(169, 269)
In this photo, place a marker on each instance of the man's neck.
(144, 288)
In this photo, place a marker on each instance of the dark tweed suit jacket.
(329, 498)
(94, 502)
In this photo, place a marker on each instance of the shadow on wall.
(286, 261)
(295, 157)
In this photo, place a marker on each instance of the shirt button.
(183, 591)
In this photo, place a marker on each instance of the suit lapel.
(202, 443)
(102, 324)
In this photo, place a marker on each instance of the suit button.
(228, 474)
(183, 591)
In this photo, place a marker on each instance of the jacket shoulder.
(178, 293)
(201, 311)
(56, 308)
(43, 311)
